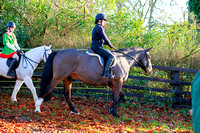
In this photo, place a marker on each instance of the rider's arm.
(103, 35)
(11, 47)
(16, 44)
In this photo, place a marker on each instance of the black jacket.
(99, 38)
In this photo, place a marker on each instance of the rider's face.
(11, 29)
(103, 22)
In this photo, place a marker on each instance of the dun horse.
(69, 64)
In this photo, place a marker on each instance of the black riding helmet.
(100, 16)
(10, 24)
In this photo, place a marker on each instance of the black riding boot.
(107, 67)
(11, 68)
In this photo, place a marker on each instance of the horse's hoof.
(37, 111)
(116, 115)
(14, 101)
(73, 112)
(110, 110)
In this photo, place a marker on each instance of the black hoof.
(114, 113)
(110, 110)
(73, 110)
(14, 101)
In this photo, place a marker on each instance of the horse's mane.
(34, 49)
(127, 49)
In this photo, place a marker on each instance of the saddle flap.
(100, 58)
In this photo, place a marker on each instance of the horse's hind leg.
(18, 84)
(67, 92)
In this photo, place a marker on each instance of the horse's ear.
(149, 49)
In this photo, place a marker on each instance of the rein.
(140, 64)
(128, 56)
(28, 60)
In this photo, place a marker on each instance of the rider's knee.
(15, 56)
(111, 57)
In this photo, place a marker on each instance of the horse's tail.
(47, 75)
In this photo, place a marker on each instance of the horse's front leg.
(67, 92)
(29, 84)
(116, 90)
(121, 97)
(18, 84)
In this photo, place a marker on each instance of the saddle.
(100, 58)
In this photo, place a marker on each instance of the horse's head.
(47, 52)
(145, 62)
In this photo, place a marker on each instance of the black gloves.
(19, 52)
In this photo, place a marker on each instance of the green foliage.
(175, 44)
(194, 7)
(125, 30)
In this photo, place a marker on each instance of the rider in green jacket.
(11, 47)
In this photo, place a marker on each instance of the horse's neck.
(123, 59)
(35, 55)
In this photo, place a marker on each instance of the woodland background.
(131, 23)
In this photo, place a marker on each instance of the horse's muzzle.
(149, 71)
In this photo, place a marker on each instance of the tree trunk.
(152, 4)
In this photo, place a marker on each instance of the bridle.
(144, 67)
(28, 60)
(45, 55)
(148, 64)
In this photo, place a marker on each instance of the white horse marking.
(74, 113)
(37, 104)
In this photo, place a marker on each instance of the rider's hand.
(112, 47)
(19, 52)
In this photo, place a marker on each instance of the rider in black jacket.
(98, 39)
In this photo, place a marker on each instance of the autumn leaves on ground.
(94, 117)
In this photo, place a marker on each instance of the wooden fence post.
(176, 87)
